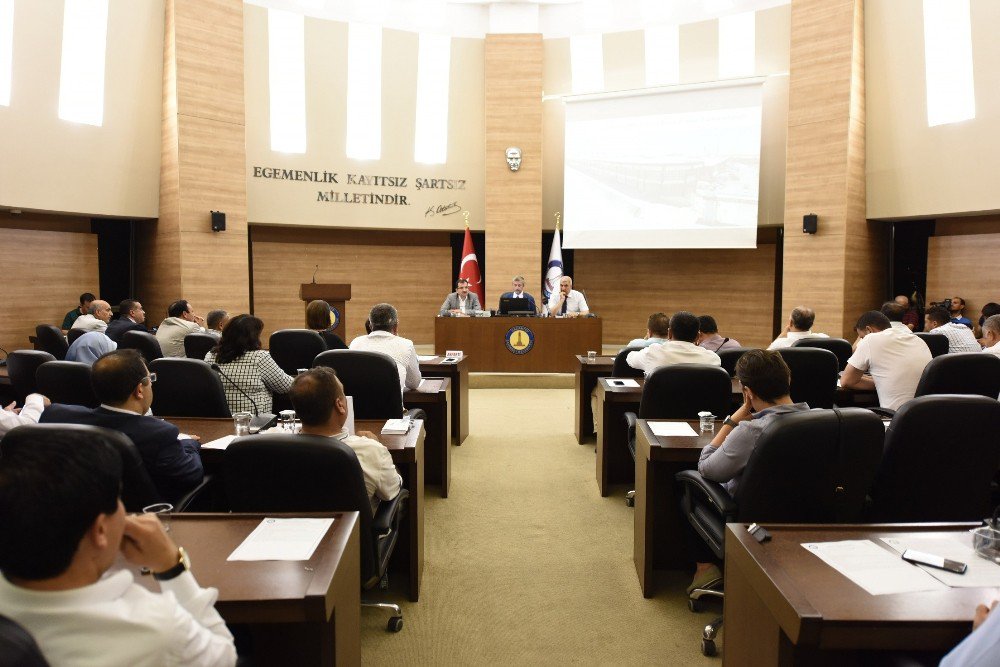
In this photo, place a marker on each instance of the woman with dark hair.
(249, 367)
(318, 319)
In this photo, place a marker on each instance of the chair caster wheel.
(694, 606)
(708, 647)
(396, 624)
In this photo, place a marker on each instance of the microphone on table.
(314, 274)
(260, 421)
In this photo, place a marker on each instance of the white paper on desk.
(981, 573)
(874, 569)
(429, 386)
(219, 443)
(424, 357)
(671, 428)
(282, 539)
(624, 382)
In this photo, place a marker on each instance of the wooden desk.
(784, 606)
(300, 613)
(614, 463)
(408, 455)
(658, 539)
(437, 462)
(556, 342)
(586, 379)
(458, 373)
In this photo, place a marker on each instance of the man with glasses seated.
(125, 388)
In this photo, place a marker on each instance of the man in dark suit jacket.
(125, 388)
(518, 284)
(130, 318)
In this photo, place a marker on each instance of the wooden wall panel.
(513, 199)
(965, 266)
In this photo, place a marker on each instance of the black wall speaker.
(218, 221)
(809, 223)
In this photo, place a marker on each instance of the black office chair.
(187, 388)
(814, 375)
(50, 339)
(372, 378)
(145, 342)
(838, 346)
(293, 349)
(197, 345)
(17, 647)
(22, 366)
(941, 454)
(307, 473)
(620, 367)
(73, 334)
(815, 466)
(937, 343)
(66, 382)
(730, 357)
(961, 373)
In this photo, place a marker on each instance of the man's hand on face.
(146, 543)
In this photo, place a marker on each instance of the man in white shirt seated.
(799, 326)
(95, 320)
(62, 528)
(13, 416)
(991, 335)
(318, 398)
(567, 302)
(181, 320)
(960, 337)
(384, 322)
(461, 302)
(680, 347)
(895, 312)
(888, 360)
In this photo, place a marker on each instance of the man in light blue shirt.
(657, 327)
(982, 647)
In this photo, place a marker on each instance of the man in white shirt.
(991, 335)
(888, 360)
(384, 322)
(567, 302)
(680, 347)
(318, 398)
(461, 302)
(62, 528)
(95, 320)
(799, 326)
(12, 416)
(181, 320)
(960, 337)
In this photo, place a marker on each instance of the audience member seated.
(318, 398)
(13, 416)
(215, 322)
(709, 337)
(90, 347)
(384, 321)
(960, 336)
(319, 318)
(567, 302)
(62, 527)
(989, 310)
(96, 319)
(991, 335)
(517, 292)
(657, 329)
(765, 379)
(799, 326)
(251, 372)
(894, 312)
(124, 387)
(85, 300)
(980, 647)
(957, 311)
(911, 319)
(887, 360)
(181, 320)
(679, 348)
(130, 318)
(461, 302)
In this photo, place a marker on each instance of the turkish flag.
(470, 269)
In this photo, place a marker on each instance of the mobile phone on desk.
(923, 558)
(617, 383)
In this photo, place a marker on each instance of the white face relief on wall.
(514, 158)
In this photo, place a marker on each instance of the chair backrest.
(293, 349)
(18, 647)
(372, 378)
(941, 453)
(621, 369)
(187, 388)
(145, 342)
(22, 366)
(197, 345)
(730, 357)
(50, 339)
(938, 343)
(814, 375)
(73, 334)
(961, 373)
(138, 490)
(814, 466)
(840, 347)
(66, 382)
(681, 391)
(300, 473)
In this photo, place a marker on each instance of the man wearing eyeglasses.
(124, 386)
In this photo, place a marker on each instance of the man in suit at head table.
(517, 292)
(461, 302)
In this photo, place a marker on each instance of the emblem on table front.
(519, 340)
(334, 318)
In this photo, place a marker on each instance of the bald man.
(96, 319)
(910, 318)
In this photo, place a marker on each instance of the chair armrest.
(630, 421)
(885, 413)
(415, 413)
(697, 487)
(195, 496)
(389, 513)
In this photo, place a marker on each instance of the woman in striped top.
(249, 367)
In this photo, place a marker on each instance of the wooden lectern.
(335, 295)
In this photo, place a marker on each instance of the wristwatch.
(728, 421)
(183, 565)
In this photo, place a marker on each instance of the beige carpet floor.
(525, 563)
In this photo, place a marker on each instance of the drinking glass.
(162, 510)
(241, 421)
(706, 421)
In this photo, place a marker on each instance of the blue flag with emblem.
(554, 270)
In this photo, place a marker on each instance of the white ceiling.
(552, 18)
